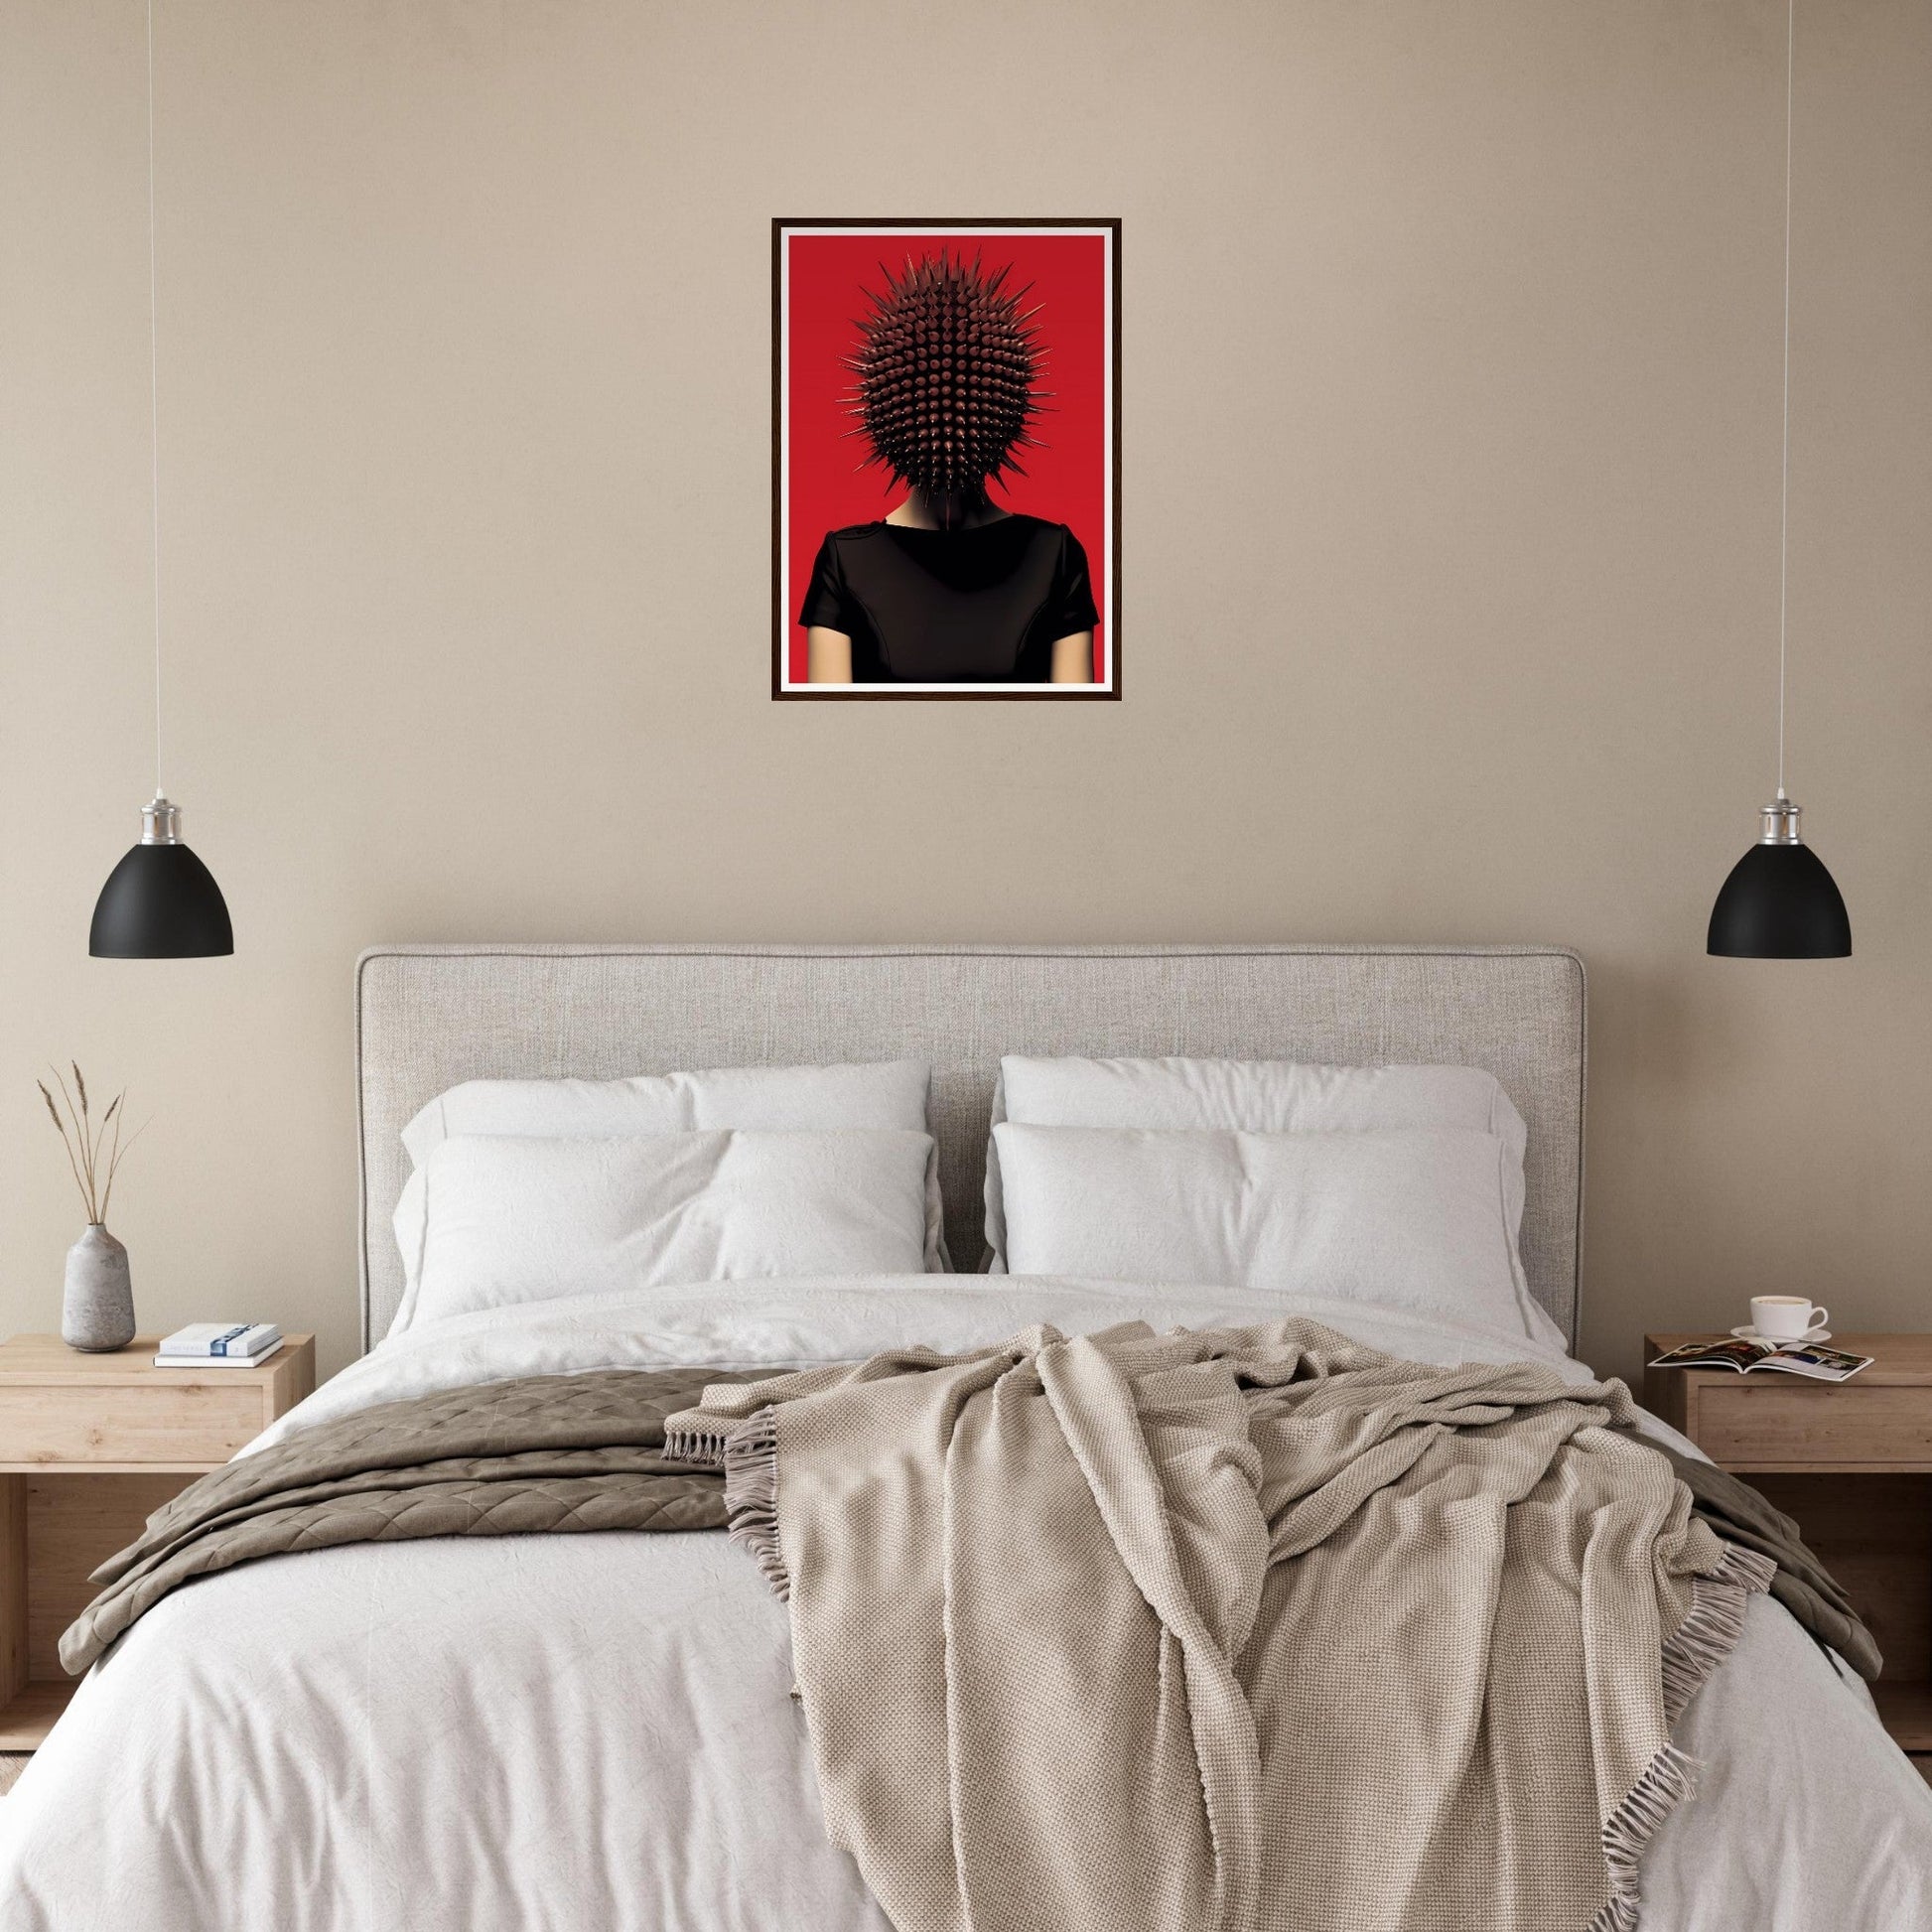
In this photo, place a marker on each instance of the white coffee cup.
(1787, 1317)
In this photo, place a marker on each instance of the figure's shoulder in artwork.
(1044, 528)
(1041, 534)
(853, 530)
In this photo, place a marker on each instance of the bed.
(595, 1730)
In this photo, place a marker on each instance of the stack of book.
(219, 1344)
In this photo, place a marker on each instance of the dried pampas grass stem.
(94, 1147)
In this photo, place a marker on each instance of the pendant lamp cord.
(1784, 487)
(154, 408)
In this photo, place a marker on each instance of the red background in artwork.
(1065, 481)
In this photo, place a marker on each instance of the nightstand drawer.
(1766, 1424)
(184, 1423)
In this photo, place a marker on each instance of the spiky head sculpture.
(946, 368)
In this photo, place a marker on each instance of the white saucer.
(1748, 1333)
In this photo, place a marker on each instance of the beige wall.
(1450, 602)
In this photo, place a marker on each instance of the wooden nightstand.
(1852, 1461)
(89, 1447)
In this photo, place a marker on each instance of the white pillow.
(514, 1219)
(1253, 1096)
(1410, 1217)
(879, 1094)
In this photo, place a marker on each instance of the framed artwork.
(945, 489)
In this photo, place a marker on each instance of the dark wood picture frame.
(780, 626)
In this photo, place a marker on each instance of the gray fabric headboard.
(428, 1017)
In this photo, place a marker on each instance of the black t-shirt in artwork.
(952, 607)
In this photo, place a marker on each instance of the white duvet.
(593, 1732)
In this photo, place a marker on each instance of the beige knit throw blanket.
(1240, 1629)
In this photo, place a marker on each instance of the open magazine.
(1793, 1357)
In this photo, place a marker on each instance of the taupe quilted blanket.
(547, 1452)
(1251, 1630)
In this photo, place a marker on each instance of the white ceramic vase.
(97, 1308)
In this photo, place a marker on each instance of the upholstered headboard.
(428, 1017)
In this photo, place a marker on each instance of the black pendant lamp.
(1779, 902)
(160, 902)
